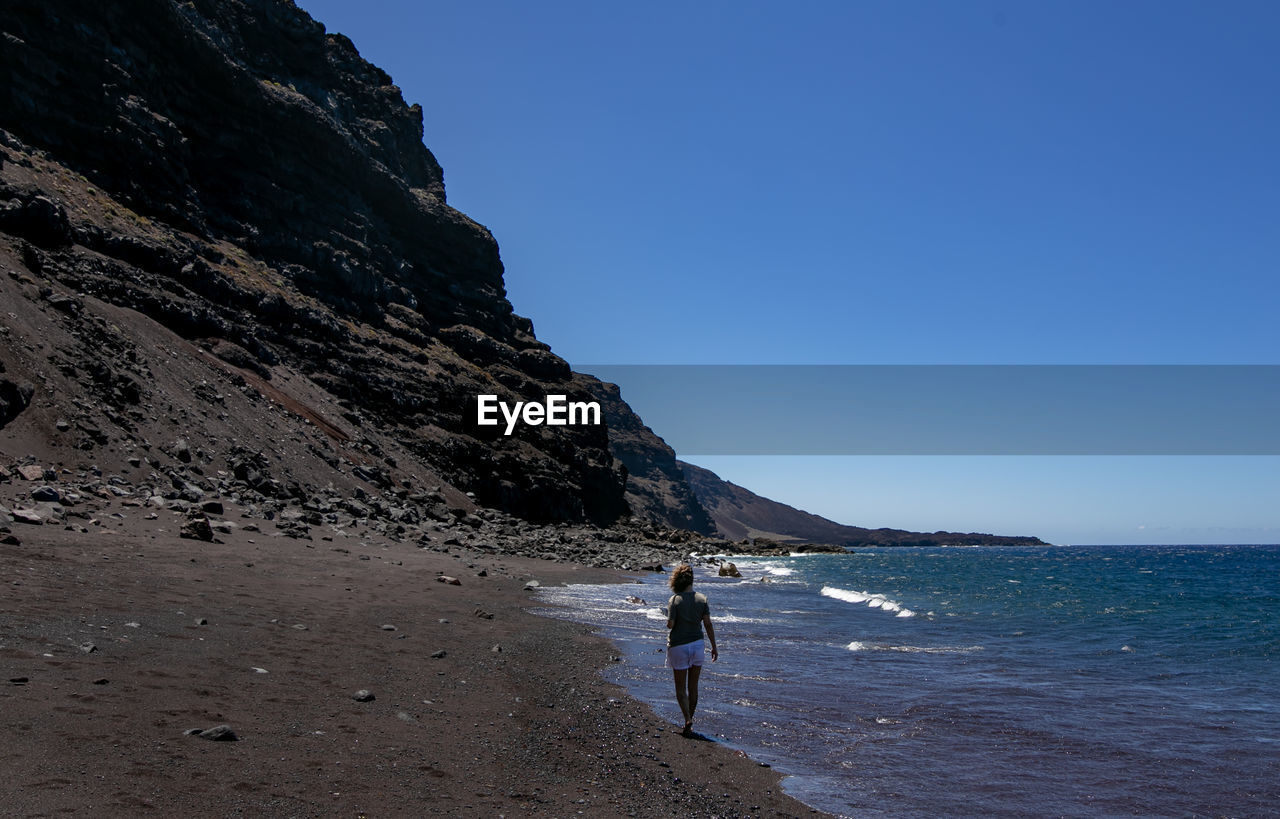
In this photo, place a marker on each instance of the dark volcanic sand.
(531, 729)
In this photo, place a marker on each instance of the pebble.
(388, 627)
(218, 733)
(46, 494)
(363, 695)
(438, 654)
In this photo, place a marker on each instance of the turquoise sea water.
(1095, 680)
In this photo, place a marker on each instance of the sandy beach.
(117, 642)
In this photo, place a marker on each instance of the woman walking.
(687, 613)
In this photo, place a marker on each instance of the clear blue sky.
(881, 183)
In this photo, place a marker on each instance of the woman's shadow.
(689, 733)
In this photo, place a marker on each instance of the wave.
(858, 645)
(875, 601)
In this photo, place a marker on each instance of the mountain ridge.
(741, 514)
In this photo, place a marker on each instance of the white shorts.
(682, 656)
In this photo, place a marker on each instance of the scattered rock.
(729, 570)
(18, 680)
(101, 681)
(531, 585)
(387, 627)
(10, 540)
(363, 695)
(452, 581)
(200, 621)
(218, 733)
(31, 472)
(497, 649)
(88, 648)
(212, 507)
(484, 615)
(197, 528)
(14, 398)
(438, 654)
(28, 516)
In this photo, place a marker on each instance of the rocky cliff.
(656, 486)
(232, 172)
(740, 514)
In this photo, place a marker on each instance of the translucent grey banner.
(956, 410)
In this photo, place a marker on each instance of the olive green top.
(686, 611)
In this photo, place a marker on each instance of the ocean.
(1063, 680)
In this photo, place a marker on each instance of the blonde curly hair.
(681, 578)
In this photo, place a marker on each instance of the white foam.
(858, 645)
(875, 601)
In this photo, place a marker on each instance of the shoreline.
(273, 636)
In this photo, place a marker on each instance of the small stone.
(438, 654)
(88, 648)
(482, 573)
(299, 626)
(200, 621)
(363, 695)
(18, 680)
(219, 733)
(10, 540)
(531, 585)
(497, 649)
(481, 613)
(388, 627)
(444, 578)
(212, 507)
(197, 529)
(31, 472)
(28, 516)
(101, 681)
(182, 450)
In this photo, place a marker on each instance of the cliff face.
(656, 486)
(740, 513)
(232, 172)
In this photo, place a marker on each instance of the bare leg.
(682, 697)
(694, 672)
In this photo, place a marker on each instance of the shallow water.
(914, 682)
